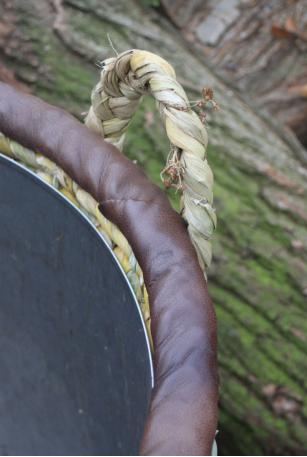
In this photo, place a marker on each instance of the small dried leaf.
(288, 30)
(290, 25)
(299, 90)
(281, 32)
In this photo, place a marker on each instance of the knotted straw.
(124, 80)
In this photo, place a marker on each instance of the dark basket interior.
(75, 363)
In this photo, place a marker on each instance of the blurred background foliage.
(253, 55)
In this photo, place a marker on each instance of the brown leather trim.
(183, 413)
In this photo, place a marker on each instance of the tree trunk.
(258, 280)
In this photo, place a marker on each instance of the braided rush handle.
(124, 80)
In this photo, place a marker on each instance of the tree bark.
(258, 278)
(260, 46)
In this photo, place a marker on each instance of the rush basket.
(108, 335)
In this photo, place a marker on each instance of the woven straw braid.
(124, 80)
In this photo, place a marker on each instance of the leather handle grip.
(183, 412)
